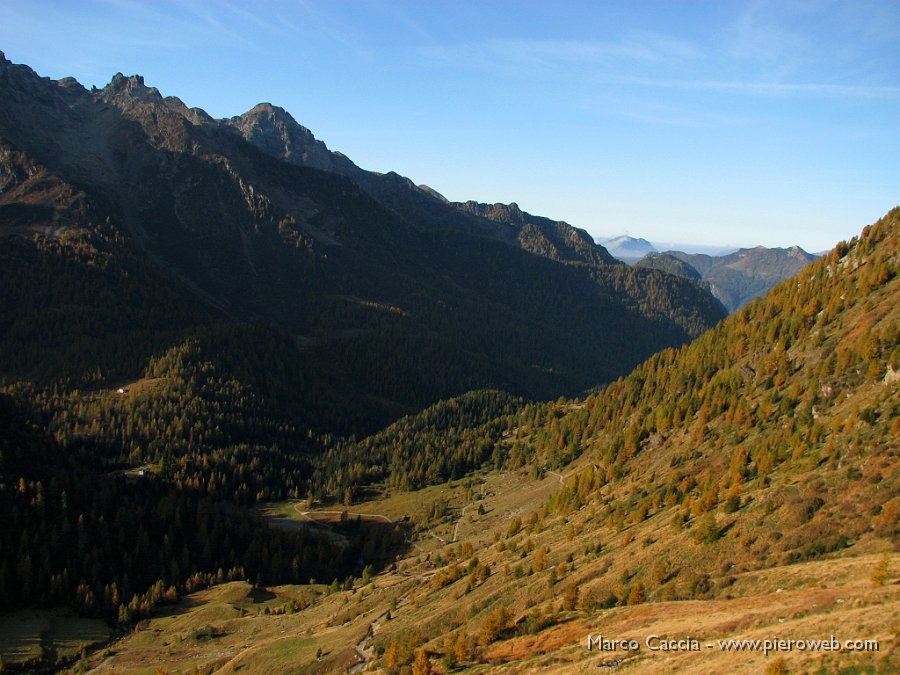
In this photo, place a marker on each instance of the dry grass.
(813, 599)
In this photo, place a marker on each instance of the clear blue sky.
(717, 122)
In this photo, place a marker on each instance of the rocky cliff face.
(552, 239)
(274, 131)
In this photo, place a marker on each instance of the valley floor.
(434, 593)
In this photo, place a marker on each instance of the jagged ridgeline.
(130, 220)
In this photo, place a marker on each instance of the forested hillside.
(669, 263)
(445, 441)
(789, 408)
(745, 486)
(770, 439)
(116, 544)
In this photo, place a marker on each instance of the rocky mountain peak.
(70, 84)
(514, 210)
(132, 84)
(553, 239)
(274, 112)
(275, 131)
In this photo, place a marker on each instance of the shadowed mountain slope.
(395, 298)
(669, 263)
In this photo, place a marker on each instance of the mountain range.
(350, 419)
(227, 302)
(389, 291)
(733, 278)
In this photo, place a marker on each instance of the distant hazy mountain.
(628, 249)
(735, 279)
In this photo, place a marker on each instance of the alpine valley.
(264, 411)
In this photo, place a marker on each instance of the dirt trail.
(463, 514)
(364, 650)
(558, 475)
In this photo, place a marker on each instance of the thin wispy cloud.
(773, 88)
(667, 115)
(321, 25)
(822, 48)
(646, 48)
(403, 18)
(271, 20)
(175, 27)
(756, 36)
(550, 52)
(211, 23)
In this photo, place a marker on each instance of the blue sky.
(722, 122)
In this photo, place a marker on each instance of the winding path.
(463, 513)
(461, 516)
(363, 649)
